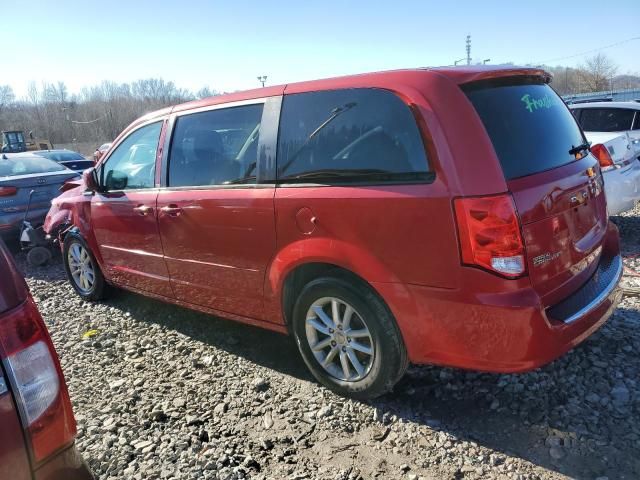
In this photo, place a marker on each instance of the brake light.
(8, 191)
(602, 154)
(34, 372)
(490, 236)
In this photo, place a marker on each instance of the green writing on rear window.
(533, 104)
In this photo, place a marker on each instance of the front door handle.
(171, 210)
(143, 210)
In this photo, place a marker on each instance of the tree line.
(99, 113)
(96, 114)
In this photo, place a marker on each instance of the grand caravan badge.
(544, 258)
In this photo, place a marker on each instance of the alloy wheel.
(339, 339)
(81, 267)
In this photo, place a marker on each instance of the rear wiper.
(579, 148)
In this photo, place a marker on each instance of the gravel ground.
(162, 392)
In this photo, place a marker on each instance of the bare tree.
(205, 92)
(597, 73)
(6, 97)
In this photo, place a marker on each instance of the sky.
(226, 44)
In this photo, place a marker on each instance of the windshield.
(14, 166)
(529, 125)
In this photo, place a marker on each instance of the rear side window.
(217, 147)
(349, 135)
(530, 127)
(606, 119)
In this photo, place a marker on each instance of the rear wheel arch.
(303, 274)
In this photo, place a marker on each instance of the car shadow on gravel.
(263, 347)
(575, 416)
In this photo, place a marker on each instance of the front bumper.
(503, 328)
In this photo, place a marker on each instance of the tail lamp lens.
(8, 191)
(36, 378)
(602, 154)
(490, 235)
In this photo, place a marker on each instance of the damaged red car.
(450, 216)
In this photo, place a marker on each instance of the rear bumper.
(622, 188)
(507, 331)
(67, 465)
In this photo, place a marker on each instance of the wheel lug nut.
(344, 349)
(331, 330)
(348, 339)
(339, 327)
(333, 344)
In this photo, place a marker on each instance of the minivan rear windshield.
(529, 125)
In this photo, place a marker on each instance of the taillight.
(36, 378)
(490, 235)
(602, 154)
(8, 191)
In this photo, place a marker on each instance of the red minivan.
(36, 421)
(450, 216)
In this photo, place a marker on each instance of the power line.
(90, 121)
(587, 52)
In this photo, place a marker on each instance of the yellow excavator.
(13, 141)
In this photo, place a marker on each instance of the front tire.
(82, 269)
(348, 338)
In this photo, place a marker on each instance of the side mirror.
(90, 179)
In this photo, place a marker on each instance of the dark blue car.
(20, 175)
(70, 159)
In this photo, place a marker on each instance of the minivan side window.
(132, 165)
(216, 147)
(360, 134)
(606, 119)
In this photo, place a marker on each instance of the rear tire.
(82, 269)
(348, 338)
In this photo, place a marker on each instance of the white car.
(613, 129)
(620, 117)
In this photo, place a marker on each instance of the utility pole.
(468, 49)
(455, 64)
(262, 79)
(485, 61)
